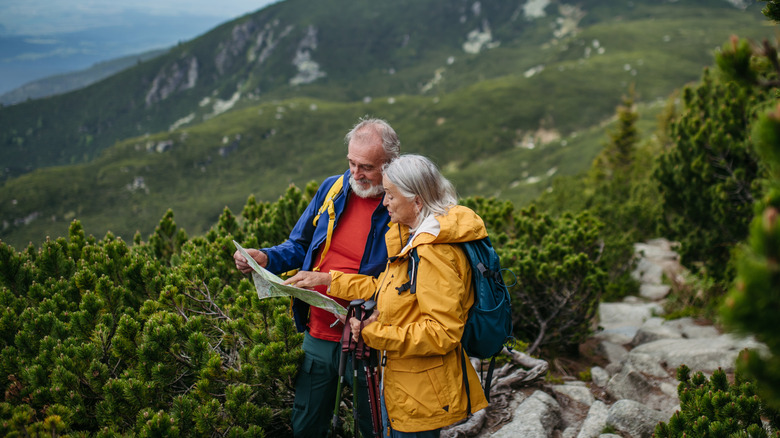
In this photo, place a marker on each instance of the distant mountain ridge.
(503, 96)
(62, 83)
(300, 48)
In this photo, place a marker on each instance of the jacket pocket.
(417, 387)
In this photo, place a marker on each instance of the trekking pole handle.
(368, 308)
(357, 306)
(359, 313)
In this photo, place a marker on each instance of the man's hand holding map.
(270, 285)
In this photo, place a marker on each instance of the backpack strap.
(327, 205)
(489, 377)
(465, 380)
(410, 285)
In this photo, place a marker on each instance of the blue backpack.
(489, 324)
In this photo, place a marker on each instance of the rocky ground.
(635, 354)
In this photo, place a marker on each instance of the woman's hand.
(355, 324)
(308, 279)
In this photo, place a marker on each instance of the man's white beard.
(373, 191)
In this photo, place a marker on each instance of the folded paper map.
(269, 285)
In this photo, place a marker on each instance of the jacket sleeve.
(291, 253)
(352, 286)
(442, 301)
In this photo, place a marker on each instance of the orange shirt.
(345, 253)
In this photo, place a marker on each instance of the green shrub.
(714, 408)
(164, 338)
(709, 177)
(559, 277)
(751, 306)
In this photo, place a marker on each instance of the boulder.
(702, 354)
(651, 332)
(536, 417)
(632, 384)
(611, 351)
(595, 421)
(634, 419)
(654, 292)
(574, 393)
(599, 376)
(688, 328)
(648, 365)
(621, 321)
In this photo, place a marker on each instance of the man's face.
(366, 158)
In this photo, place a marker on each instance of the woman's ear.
(418, 204)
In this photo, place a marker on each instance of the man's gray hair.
(390, 142)
(415, 175)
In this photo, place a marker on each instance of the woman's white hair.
(415, 175)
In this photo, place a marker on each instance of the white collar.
(428, 225)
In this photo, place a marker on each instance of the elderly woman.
(418, 333)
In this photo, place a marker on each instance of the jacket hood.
(460, 224)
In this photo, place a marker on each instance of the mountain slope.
(338, 50)
(500, 122)
(62, 83)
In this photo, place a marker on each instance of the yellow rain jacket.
(419, 334)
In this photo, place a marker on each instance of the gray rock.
(617, 335)
(621, 321)
(655, 321)
(688, 328)
(654, 259)
(630, 312)
(658, 249)
(611, 351)
(595, 421)
(536, 417)
(654, 292)
(570, 432)
(614, 368)
(634, 419)
(705, 354)
(649, 333)
(630, 384)
(576, 393)
(599, 376)
(647, 365)
(648, 272)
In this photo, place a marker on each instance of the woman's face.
(402, 210)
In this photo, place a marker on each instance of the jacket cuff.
(336, 287)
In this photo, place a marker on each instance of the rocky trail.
(636, 386)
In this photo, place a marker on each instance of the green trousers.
(315, 390)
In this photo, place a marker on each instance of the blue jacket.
(302, 246)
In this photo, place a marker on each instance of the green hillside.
(502, 122)
(62, 83)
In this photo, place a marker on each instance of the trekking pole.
(355, 409)
(371, 362)
(346, 340)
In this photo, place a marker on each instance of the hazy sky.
(47, 17)
(40, 38)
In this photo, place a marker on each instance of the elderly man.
(357, 224)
